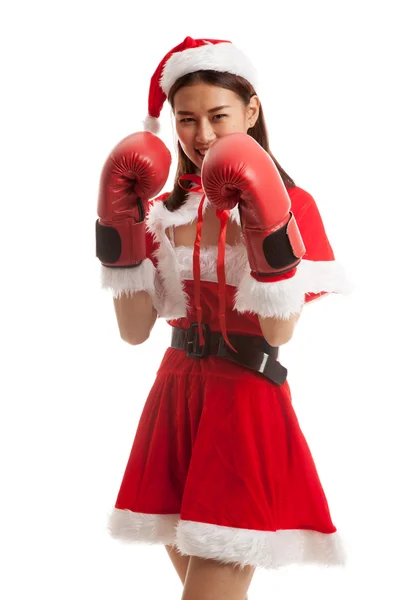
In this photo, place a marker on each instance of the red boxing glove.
(135, 171)
(237, 169)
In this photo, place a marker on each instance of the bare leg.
(208, 579)
(180, 562)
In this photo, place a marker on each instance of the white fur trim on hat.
(151, 124)
(223, 56)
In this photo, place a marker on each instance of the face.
(204, 112)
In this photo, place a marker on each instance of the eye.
(186, 120)
(221, 115)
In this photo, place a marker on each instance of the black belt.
(253, 352)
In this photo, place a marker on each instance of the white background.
(75, 81)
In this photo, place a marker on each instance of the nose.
(205, 133)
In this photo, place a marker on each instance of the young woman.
(219, 471)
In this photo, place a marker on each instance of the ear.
(252, 111)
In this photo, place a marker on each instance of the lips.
(202, 151)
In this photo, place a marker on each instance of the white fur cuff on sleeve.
(129, 280)
(282, 298)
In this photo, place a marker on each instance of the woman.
(219, 470)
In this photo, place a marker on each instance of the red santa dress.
(219, 466)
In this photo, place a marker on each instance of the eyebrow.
(187, 112)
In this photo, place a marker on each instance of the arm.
(278, 331)
(135, 312)
(136, 316)
(135, 171)
(238, 170)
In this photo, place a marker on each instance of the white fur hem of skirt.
(266, 549)
(129, 280)
(282, 298)
(129, 526)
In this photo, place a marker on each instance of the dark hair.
(244, 90)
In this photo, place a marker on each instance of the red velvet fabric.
(151, 243)
(312, 229)
(217, 443)
(241, 323)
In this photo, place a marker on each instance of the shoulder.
(301, 201)
(157, 199)
(157, 213)
(162, 197)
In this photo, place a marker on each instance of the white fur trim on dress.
(236, 263)
(129, 526)
(267, 549)
(129, 280)
(186, 213)
(275, 299)
(175, 265)
(215, 57)
(282, 298)
(172, 301)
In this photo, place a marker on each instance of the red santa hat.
(190, 56)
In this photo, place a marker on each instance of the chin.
(195, 160)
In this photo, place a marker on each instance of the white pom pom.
(151, 124)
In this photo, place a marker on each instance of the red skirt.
(220, 469)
